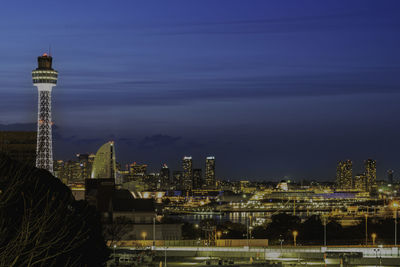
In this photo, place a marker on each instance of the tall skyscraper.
(197, 178)
(370, 173)
(104, 165)
(165, 177)
(390, 176)
(187, 166)
(210, 172)
(344, 174)
(44, 78)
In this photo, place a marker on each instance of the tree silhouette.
(41, 224)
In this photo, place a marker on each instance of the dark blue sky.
(271, 88)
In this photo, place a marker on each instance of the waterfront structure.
(197, 178)
(344, 174)
(370, 173)
(19, 146)
(187, 166)
(44, 78)
(104, 165)
(390, 176)
(210, 172)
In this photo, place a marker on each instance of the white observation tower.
(44, 78)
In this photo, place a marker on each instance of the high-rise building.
(19, 146)
(370, 173)
(177, 177)
(390, 176)
(360, 182)
(210, 172)
(104, 165)
(44, 78)
(187, 166)
(344, 174)
(137, 171)
(197, 178)
(165, 177)
(85, 166)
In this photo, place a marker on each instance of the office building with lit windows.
(187, 166)
(210, 172)
(370, 173)
(197, 178)
(165, 177)
(360, 182)
(344, 174)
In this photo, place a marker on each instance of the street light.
(144, 234)
(324, 216)
(248, 229)
(295, 233)
(114, 251)
(395, 205)
(281, 241)
(373, 235)
(219, 233)
(165, 257)
(366, 229)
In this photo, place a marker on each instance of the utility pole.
(154, 232)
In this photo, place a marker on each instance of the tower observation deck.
(44, 78)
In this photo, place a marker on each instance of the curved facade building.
(104, 165)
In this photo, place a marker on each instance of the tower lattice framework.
(44, 78)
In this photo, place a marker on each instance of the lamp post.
(373, 235)
(281, 241)
(324, 231)
(154, 232)
(248, 229)
(366, 229)
(395, 205)
(165, 257)
(295, 233)
(114, 252)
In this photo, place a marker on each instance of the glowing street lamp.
(294, 233)
(114, 251)
(373, 235)
(144, 234)
(219, 233)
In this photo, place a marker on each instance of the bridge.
(266, 256)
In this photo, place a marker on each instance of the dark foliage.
(42, 225)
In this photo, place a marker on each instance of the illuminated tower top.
(44, 78)
(44, 73)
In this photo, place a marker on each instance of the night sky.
(273, 89)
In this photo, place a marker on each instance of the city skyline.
(270, 91)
